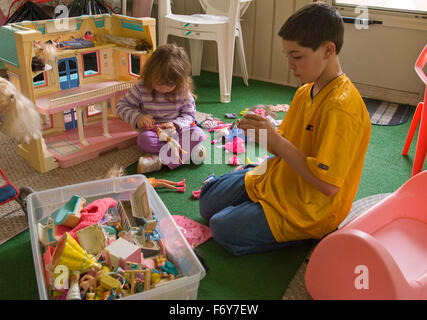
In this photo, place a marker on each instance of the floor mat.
(63, 147)
(387, 113)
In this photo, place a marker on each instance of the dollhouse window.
(134, 64)
(40, 80)
(90, 64)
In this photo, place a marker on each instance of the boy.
(309, 185)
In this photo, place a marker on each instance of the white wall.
(380, 61)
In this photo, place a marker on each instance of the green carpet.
(256, 276)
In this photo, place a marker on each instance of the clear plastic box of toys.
(109, 239)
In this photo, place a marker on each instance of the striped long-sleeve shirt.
(138, 102)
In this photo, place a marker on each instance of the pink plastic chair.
(420, 113)
(381, 254)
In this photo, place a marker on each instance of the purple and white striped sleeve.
(130, 106)
(187, 113)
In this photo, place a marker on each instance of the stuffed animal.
(18, 116)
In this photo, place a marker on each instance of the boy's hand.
(256, 122)
(145, 122)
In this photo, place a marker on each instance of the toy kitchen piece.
(75, 70)
(137, 218)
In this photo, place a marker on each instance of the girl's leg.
(188, 138)
(148, 141)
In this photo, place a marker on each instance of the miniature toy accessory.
(69, 214)
(381, 254)
(231, 115)
(90, 214)
(74, 290)
(198, 154)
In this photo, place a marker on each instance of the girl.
(163, 98)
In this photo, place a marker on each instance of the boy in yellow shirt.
(306, 190)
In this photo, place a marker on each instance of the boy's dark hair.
(314, 24)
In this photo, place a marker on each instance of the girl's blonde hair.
(169, 65)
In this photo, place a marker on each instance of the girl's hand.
(261, 126)
(145, 122)
(168, 126)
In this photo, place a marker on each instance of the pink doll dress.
(195, 233)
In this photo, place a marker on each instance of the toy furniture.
(420, 116)
(69, 214)
(77, 91)
(381, 254)
(122, 250)
(221, 23)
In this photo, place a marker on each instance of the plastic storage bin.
(42, 204)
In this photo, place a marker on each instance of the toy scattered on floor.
(196, 193)
(279, 107)
(18, 116)
(237, 145)
(211, 122)
(178, 186)
(234, 160)
(268, 112)
(195, 233)
(231, 115)
(118, 253)
(248, 161)
(149, 163)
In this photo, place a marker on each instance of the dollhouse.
(95, 62)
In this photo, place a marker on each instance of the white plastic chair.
(221, 23)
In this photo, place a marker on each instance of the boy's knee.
(218, 228)
(222, 232)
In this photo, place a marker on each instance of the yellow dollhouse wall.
(113, 63)
(113, 60)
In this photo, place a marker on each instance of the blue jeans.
(237, 223)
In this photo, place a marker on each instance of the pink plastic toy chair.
(420, 113)
(381, 254)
